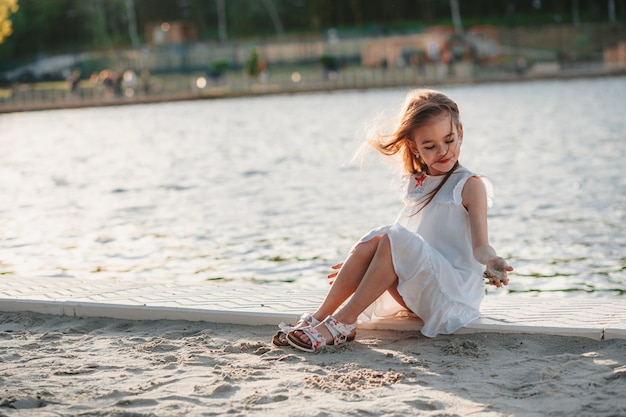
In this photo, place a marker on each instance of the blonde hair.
(421, 107)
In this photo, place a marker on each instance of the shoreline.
(269, 90)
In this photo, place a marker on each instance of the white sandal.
(280, 338)
(339, 331)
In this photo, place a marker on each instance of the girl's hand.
(334, 274)
(496, 271)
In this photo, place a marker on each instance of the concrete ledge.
(142, 312)
(488, 326)
(611, 333)
(595, 318)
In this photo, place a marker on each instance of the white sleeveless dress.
(439, 278)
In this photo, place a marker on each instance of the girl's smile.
(437, 144)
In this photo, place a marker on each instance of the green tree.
(7, 8)
(57, 26)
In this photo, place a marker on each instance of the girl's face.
(438, 144)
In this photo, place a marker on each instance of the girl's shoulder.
(465, 175)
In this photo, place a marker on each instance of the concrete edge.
(588, 332)
(611, 333)
(145, 312)
(257, 318)
(401, 324)
(479, 326)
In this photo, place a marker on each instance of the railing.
(200, 85)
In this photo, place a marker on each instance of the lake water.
(260, 191)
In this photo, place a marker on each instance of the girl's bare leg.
(379, 276)
(396, 296)
(348, 278)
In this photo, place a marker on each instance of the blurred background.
(69, 53)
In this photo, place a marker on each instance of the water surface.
(260, 190)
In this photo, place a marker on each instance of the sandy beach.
(53, 365)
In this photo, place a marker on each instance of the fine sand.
(62, 366)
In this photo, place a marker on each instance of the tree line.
(57, 26)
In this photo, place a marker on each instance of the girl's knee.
(367, 248)
(384, 243)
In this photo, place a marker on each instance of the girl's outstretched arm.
(475, 201)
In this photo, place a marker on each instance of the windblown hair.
(421, 107)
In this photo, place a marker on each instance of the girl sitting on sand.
(430, 261)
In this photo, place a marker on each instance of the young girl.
(432, 260)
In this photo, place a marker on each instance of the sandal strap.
(308, 317)
(285, 328)
(304, 318)
(340, 331)
(317, 340)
